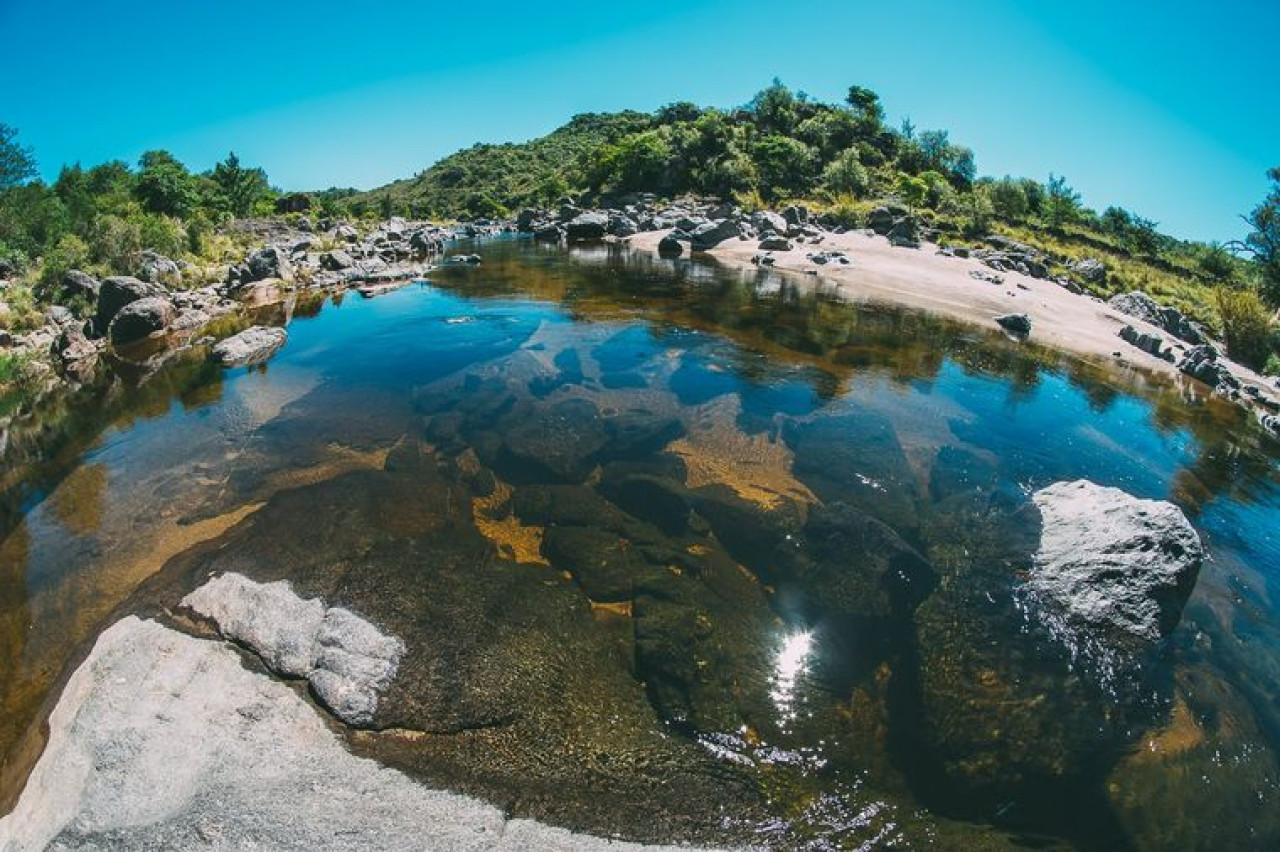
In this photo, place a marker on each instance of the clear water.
(686, 553)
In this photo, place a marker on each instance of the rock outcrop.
(1140, 305)
(1113, 563)
(1019, 324)
(347, 660)
(141, 319)
(164, 741)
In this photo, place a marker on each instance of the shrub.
(1009, 199)
(845, 175)
(1246, 325)
(71, 252)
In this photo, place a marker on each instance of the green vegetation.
(102, 219)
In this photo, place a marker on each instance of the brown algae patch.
(756, 467)
(78, 502)
(1181, 735)
(515, 541)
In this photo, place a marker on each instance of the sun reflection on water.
(792, 662)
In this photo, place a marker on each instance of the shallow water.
(686, 553)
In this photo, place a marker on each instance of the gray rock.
(712, 234)
(622, 226)
(904, 233)
(336, 260)
(1091, 270)
(775, 243)
(1201, 362)
(1019, 324)
(267, 618)
(1112, 562)
(670, 246)
(1140, 305)
(346, 233)
(251, 346)
(77, 285)
(766, 220)
(1152, 344)
(348, 661)
(270, 262)
(164, 741)
(796, 215)
(118, 291)
(141, 319)
(587, 226)
(158, 269)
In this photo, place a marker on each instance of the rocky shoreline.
(895, 259)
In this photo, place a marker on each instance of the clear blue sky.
(1171, 109)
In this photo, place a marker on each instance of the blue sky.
(1170, 109)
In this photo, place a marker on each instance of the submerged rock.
(1114, 562)
(251, 346)
(347, 660)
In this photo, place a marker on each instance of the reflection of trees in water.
(44, 447)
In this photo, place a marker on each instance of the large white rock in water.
(164, 741)
(251, 346)
(348, 661)
(1113, 561)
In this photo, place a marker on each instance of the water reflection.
(791, 664)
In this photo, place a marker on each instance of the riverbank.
(965, 289)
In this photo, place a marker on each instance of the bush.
(1273, 365)
(1246, 325)
(71, 252)
(845, 175)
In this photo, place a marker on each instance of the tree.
(637, 162)
(845, 175)
(786, 165)
(912, 190)
(1009, 199)
(1061, 204)
(165, 186)
(866, 104)
(239, 187)
(17, 162)
(775, 109)
(1263, 241)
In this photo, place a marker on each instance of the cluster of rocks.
(897, 224)
(1140, 305)
(1008, 255)
(347, 661)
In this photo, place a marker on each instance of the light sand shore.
(922, 278)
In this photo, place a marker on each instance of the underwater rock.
(347, 660)
(1114, 562)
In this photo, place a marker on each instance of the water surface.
(686, 553)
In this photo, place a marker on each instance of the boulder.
(670, 246)
(587, 226)
(346, 233)
(796, 215)
(336, 260)
(1152, 344)
(251, 346)
(525, 219)
(80, 285)
(552, 233)
(118, 291)
(158, 269)
(622, 226)
(141, 319)
(1113, 563)
(904, 233)
(712, 234)
(766, 220)
(1201, 362)
(775, 243)
(270, 262)
(348, 661)
(1091, 270)
(1019, 324)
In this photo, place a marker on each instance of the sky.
(1170, 109)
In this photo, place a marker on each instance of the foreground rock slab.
(164, 741)
(1114, 562)
(348, 661)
